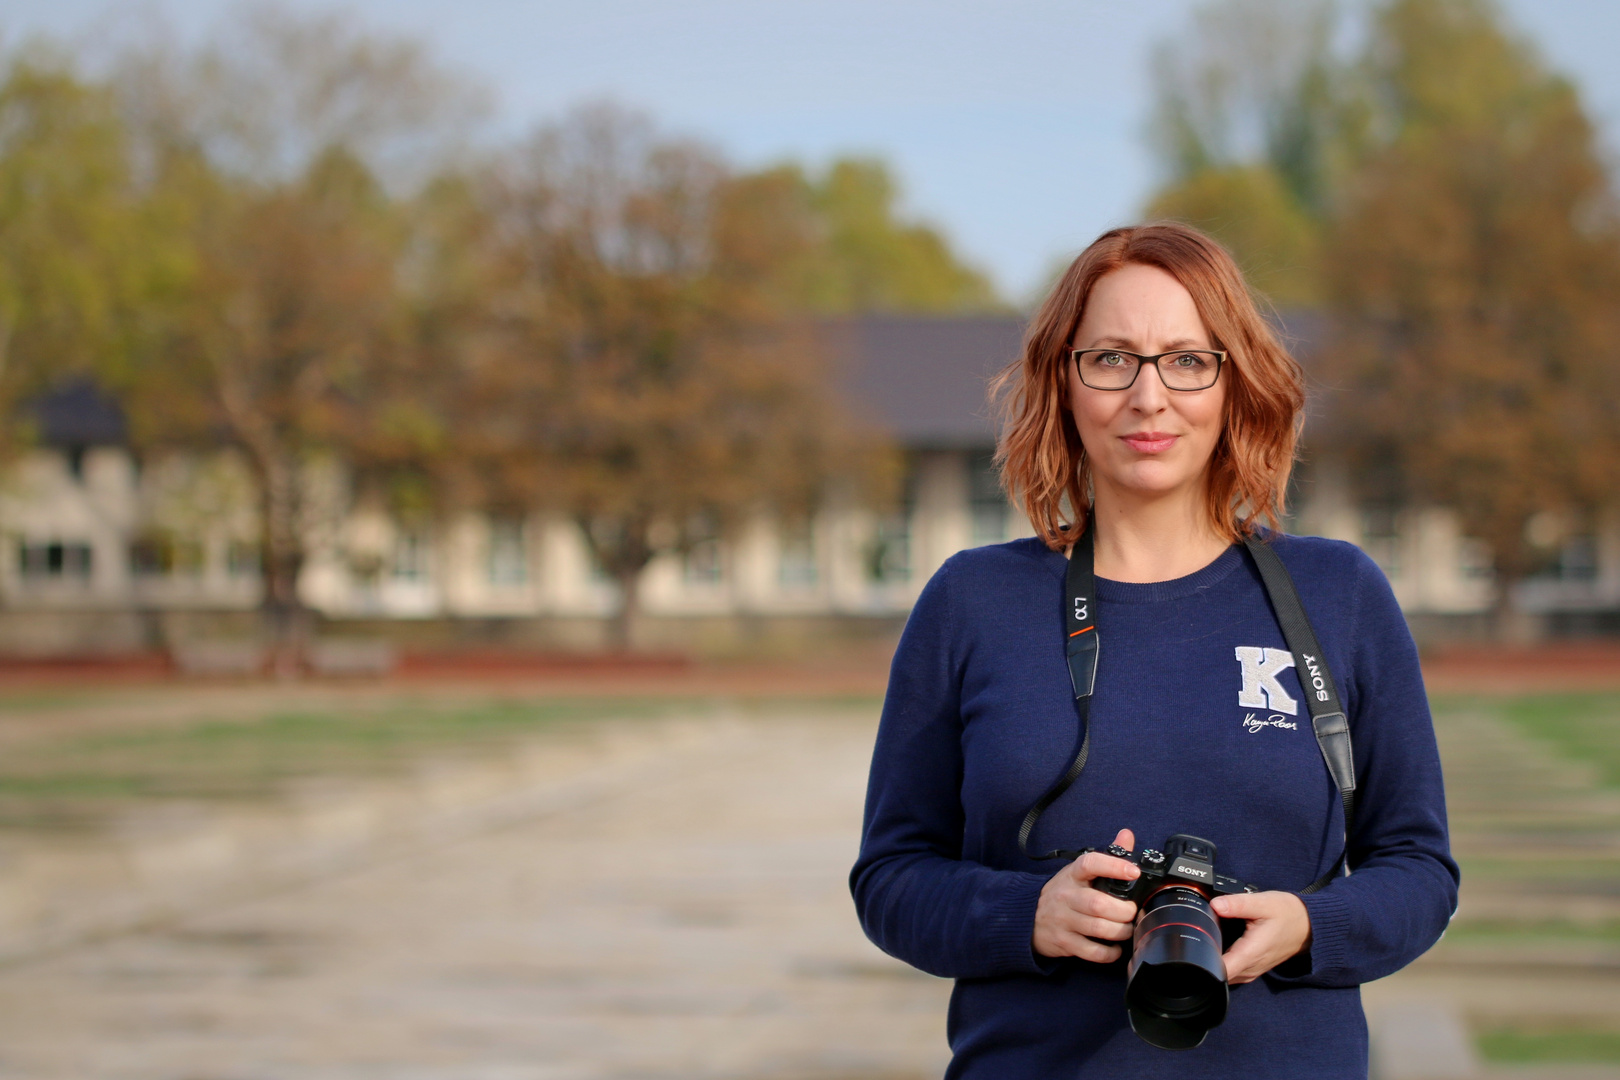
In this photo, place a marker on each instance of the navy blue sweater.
(1198, 726)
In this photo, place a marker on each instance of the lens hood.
(1176, 984)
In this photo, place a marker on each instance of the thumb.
(1126, 839)
(1239, 906)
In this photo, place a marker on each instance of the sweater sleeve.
(1402, 888)
(917, 898)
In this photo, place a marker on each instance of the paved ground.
(687, 921)
(693, 924)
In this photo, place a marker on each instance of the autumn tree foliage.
(1474, 273)
(85, 258)
(1441, 196)
(647, 369)
(862, 256)
(282, 243)
(288, 321)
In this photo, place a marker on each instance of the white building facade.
(99, 552)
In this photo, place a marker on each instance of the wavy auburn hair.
(1042, 461)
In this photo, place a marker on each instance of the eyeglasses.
(1116, 369)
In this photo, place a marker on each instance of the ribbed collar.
(1154, 592)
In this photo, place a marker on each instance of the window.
(410, 556)
(149, 556)
(704, 563)
(1578, 559)
(888, 557)
(190, 558)
(161, 554)
(1474, 560)
(888, 554)
(54, 559)
(987, 503)
(797, 568)
(1380, 532)
(508, 562)
(242, 559)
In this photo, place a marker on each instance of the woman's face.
(1146, 440)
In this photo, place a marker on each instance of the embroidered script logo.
(1252, 723)
(1261, 690)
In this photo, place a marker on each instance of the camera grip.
(1115, 887)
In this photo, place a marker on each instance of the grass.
(36, 701)
(77, 780)
(1511, 834)
(1492, 932)
(1582, 727)
(1564, 850)
(1569, 1045)
(1554, 871)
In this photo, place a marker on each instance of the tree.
(1456, 220)
(1257, 122)
(1248, 208)
(1475, 267)
(287, 341)
(83, 254)
(272, 90)
(292, 310)
(649, 380)
(864, 257)
(605, 321)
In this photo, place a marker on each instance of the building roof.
(920, 378)
(923, 378)
(78, 413)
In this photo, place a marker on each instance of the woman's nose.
(1148, 393)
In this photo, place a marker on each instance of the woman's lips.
(1149, 442)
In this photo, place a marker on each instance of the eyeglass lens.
(1109, 369)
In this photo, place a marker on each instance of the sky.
(1017, 126)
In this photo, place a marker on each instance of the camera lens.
(1176, 988)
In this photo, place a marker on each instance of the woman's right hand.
(1071, 913)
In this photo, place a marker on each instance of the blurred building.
(102, 552)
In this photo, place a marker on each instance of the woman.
(1197, 722)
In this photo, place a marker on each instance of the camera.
(1175, 987)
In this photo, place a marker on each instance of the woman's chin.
(1152, 479)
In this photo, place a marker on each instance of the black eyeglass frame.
(1143, 361)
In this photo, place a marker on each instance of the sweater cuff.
(1330, 934)
(1010, 929)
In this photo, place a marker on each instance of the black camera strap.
(1080, 623)
(1328, 719)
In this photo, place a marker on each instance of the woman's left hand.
(1278, 928)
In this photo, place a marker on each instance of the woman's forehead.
(1141, 308)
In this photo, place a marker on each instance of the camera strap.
(1081, 650)
(1328, 719)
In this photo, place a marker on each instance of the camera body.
(1185, 860)
(1175, 985)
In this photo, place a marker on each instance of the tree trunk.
(621, 548)
(286, 619)
(621, 629)
(1509, 624)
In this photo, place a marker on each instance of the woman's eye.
(1190, 360)
(1112, 359)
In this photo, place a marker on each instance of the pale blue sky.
(1017, 125)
